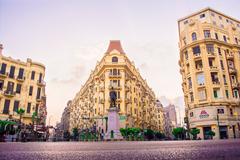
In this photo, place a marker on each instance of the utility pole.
(218, 125)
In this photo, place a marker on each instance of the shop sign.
(203, 114)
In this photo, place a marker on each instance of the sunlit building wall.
(22, 85)
(209, 43)
(135, 99)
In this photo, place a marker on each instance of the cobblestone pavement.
(204, 150)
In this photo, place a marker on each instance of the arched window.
(114, 59)
(194, 36)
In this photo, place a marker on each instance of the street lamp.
(143, 121)
(218, 125)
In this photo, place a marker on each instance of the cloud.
(77, 74)
(177, 101)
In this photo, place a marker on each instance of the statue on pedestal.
(113, 122)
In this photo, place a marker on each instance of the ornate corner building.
(135, 99)
(22, 86)
(210, 68)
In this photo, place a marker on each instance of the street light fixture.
(218, 125)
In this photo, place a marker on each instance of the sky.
(70, 36)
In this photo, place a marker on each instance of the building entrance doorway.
(223, 132)
(206, 132)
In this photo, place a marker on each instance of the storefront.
(214, 119)
(223, 132)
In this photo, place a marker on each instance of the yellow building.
(21, 86)
(210, 67)
(159, 117)
(135, 99)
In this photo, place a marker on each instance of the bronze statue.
(113, 97)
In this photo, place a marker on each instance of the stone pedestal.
(113, 132)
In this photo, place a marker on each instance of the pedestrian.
(101, 136)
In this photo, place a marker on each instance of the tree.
(124, 132)
(210, 133)
(66, 135)
(136, 132)
(34, 116)
(149, 134)
(129, 132)
(179, 132)
(75, 133)
(6, 126)
(194, 132)
(20, 112)
(159, 135)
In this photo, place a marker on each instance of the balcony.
(232, 71)
(118, 100)
(213, 68)
(127, 88)
(115, 76)
(3, 75)
(201, 85)
(199, 69)
(128, 77)
(235, 85)
(38, 99)
(216, 82)
(102, 78)
(190, 89)
(230, 56)
(114, 87)
(138, 84)
(211, 54)
(182, 70)
(188, 74)
(102, 101)
(41, 83)
(101, 89)
(197, 56)
(27, 115)
(128, 100)
(20, 79)
(9, 93)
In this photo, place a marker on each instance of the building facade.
(159, 116)
(22, 86)
(135, 99)
(65, 119)
(210, 68)
(168, 126)
(170, 120)
(170, 111)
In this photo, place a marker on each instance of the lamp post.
(218, 125)
(143, 121)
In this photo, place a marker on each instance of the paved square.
(221, 149)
